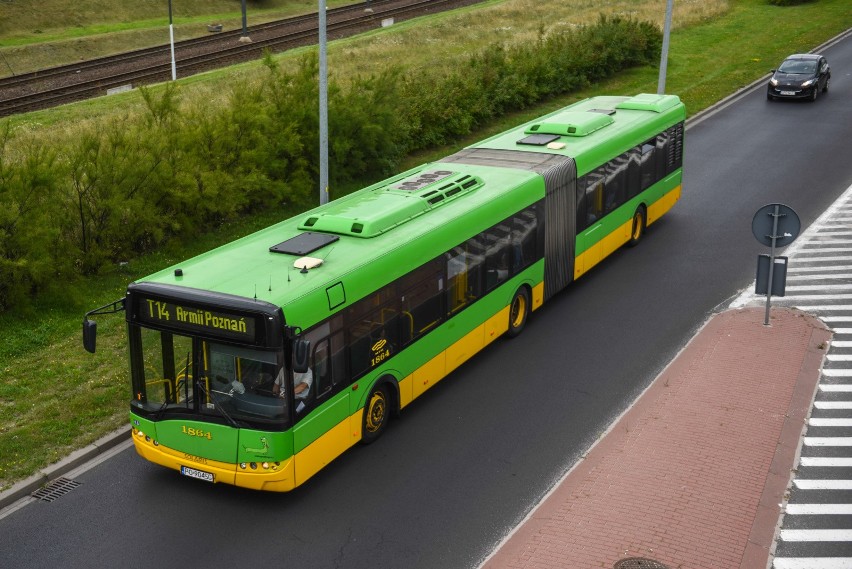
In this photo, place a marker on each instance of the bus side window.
(634, 173)
(662, 155)
(422, 300)
(374, 335)
(497, 256)
(524, 229)
(464, 285)
(322, 368)
(594, 196)
(616, 183)
(647, 164)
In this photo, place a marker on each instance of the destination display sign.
(195, 320)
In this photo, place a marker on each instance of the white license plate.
(788, 92)
(200, 474)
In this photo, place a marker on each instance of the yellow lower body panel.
(322, 451)
(662, 205)
(263, 476)
(621, 235)
(436, 369)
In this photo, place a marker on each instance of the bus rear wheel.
(519, 310)
(376, 413)
(640, 222)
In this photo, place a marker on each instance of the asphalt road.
(470, 458)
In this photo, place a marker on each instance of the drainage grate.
(55, 489)
(638, 563)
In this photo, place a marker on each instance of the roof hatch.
(389, 206)
(648, 102)
(570, 123)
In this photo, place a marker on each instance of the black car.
(800, 76)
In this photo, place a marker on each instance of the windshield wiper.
(217, 405)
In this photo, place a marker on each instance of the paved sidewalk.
(693, 476)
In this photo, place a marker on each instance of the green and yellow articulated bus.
(257, 363)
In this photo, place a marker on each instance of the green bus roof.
(381, 232)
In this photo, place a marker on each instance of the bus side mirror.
(301, 353)
(90, 335)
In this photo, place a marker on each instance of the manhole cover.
(55, 489)
(638, 563)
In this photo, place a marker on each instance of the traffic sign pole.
(775, 225)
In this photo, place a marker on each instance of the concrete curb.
(29, 485)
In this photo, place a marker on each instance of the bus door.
(322, 430)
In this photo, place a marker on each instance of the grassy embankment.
(54, 397)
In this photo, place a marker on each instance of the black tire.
(519, 311)
(640, 223)
(825, 87)
(769, 97)
(814, 93)
(376, 414)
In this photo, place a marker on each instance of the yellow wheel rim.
(519, 311)
(376, 409)
(637, 225)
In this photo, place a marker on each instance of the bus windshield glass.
(184, 375)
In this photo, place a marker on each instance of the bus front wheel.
(519, 310)
(376, 413)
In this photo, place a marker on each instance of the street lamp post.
(323, 106)
(664, 56)
(172, 41)
(245, 37)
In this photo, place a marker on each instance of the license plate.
(199, 474)
(788, 92)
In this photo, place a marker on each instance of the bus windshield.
(179, 374)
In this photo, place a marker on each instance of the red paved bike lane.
(694, 473)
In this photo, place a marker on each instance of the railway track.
(88, 79)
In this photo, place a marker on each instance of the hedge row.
(130, 185)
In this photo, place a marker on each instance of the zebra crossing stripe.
(819, 509)
(833, 404)
(847, 388)
(838, 373)
(816, 534)
(812, 563)
(818, 422)
(825, 461)
(828, 441)
(809, 484)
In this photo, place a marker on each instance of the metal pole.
(172, 41)
(664, 57)
(245, 24)
(773, 237)
(323, 105)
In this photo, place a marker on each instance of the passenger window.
(373, 336)
(524, 230)
(422, 300)
(616, 183)
(498, 255)
(594, 197)
(464, 267)
(647, 165)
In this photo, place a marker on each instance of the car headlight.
(808, 83)
(773, 82)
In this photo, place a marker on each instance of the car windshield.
(797, 66)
